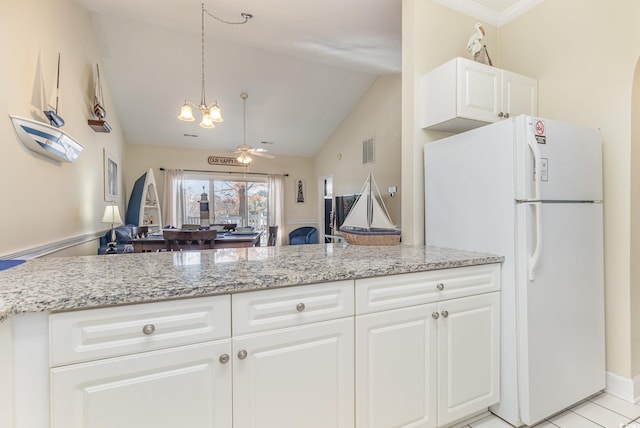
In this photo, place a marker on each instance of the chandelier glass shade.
(211, 113)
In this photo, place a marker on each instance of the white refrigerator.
(530, 189)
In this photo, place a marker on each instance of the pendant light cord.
(203, 98)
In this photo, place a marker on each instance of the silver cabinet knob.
(445, 314)
(500, 114)
(435, 315)
(300, 307)
(440, 286)
(148, 329)
(506, 115)
(242, 354)
(224, 358)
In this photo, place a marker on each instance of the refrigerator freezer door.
(568, 165)
(561, 356)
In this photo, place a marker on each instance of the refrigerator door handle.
(535, 257)
(535, 151)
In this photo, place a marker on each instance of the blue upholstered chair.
(303, 235)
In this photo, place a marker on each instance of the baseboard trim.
(52, 247)
(624, 388)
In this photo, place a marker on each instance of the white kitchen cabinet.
(468, 356)
(295, 377)
(186, 386)
(463, 94)
(293, 352)
(396, 368)
(427, 364)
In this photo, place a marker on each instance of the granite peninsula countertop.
(65, 283)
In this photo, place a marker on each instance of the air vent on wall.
(367, 151)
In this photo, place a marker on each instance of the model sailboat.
(99, 124)
(368, 222)
(48, 140)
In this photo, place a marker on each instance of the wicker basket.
(371, 239)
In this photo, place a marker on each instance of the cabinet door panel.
(395, 368)
(468, 356)
(520, 94)
(479, 91)
(295, 377)
(178, 387)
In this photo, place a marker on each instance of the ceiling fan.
(244, 150)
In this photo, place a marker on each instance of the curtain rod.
(228, 172)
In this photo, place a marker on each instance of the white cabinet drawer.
(286, 307)
(397, 291)
(107, 332)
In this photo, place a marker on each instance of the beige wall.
(139, 158)
(50, 201)
(376, 115)
(584, 54)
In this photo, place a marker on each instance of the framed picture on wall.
(299, 190)
(110, 177)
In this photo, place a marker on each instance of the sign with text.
(221, 160)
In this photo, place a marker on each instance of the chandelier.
(211, 113)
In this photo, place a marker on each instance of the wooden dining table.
(153, 243)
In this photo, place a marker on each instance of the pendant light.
(244, 157)
(211, 113)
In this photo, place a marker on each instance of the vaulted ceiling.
(305, 64)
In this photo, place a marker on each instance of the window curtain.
(276, 205)
(173, 208)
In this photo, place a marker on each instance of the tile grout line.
(617, 413)
(584, 417)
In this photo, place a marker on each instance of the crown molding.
(488, 15)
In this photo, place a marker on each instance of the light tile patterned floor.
(601, 411)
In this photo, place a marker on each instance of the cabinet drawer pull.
(506, 115)
(445, 314)
(440, 286)
(435, 315)
(242, 354)
(148, 329)
(500, 114)
(300, 307)
(224, 358)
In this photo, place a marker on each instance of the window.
(239, 200)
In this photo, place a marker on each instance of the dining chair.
(178, 240)
(273, 233)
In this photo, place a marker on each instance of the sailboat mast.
(58, 83)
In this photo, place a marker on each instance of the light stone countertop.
(66, 283)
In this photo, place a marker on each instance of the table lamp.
(111, 215)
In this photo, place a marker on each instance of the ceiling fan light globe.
(244, 159)
(186, 114)
(207, 122)
(216, 114)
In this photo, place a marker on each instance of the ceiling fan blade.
(263, 154)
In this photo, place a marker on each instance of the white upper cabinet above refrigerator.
(462, 94)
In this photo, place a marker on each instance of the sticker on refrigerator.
(541, 137)
(544, 169)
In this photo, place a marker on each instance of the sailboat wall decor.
(99, 124)
(46, 140)
(368, 222)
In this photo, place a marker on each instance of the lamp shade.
(111, 215)
(186, 113)
(215, 113)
